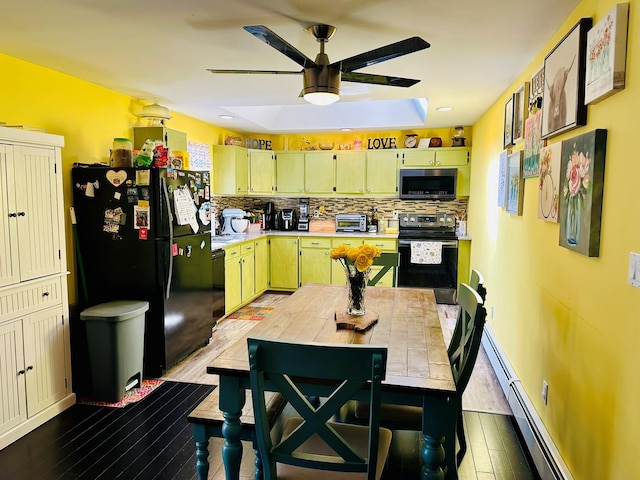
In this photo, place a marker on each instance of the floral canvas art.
(582, 178)
(502, 178)
(549, 184)
(532, 143)
(606, 55)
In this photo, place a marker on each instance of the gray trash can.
(115, 336)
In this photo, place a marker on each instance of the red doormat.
(132, 396)
(251, 313)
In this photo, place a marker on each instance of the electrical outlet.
(395, 214)
(316, 213)
(545, 391)
(634, 269)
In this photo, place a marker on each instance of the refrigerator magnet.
(116, 178)
(143, 233)
(189, 249)
(141, 217)
(117, 195)
(142, 177)
(174, 249)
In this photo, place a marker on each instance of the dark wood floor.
(152, 440)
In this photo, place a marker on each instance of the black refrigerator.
(144, 234)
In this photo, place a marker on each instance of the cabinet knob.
(30, 367)
(21, 372)
(13, 215)
(45, 294)
(360, 190)
(21, 214)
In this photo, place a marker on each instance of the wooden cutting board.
(359, 323)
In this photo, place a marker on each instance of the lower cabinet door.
(315, 265)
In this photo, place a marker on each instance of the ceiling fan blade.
(378, 79)
(377, 55)
(269, 37)
(272, 72)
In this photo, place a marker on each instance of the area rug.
(251, 313)
(132, 396)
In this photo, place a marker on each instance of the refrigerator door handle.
(165, 193)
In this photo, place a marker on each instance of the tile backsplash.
(335, 205)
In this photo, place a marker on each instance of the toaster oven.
(351, 223)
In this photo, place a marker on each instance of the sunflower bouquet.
(357, 263)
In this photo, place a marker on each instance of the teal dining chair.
(462, 356)
(388, 261)
(476, 281)
(311, 446)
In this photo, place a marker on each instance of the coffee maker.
(303, 221)
(287, 219)
(269, 216)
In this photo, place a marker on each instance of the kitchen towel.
(426, 252)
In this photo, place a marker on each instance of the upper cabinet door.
(289, 173)
(29, 205)
(261, 171)
(350, 172)
(382, 172)
(319, 171)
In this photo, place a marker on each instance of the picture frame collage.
(586, 66)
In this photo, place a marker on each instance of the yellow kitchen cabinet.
(232, 279)
(434, 157)
(261, 172)
(463, 185)
(350, 171)
(315, 262)
(261, 265)
(230, 165)
(247, 271)
(283, 260)
(289, 173)
(464, 256)
(318, 173)
(382, 172)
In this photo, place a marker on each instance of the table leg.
(438, 433)
(201, 437)
(232, 398)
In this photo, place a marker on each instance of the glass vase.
(574, 211)
(356, 285)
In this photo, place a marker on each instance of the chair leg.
(461, 438)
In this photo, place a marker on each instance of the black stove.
(440, 274)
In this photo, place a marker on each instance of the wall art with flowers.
(582, 179)
(515, 184)
(549, 183)
(606, 55)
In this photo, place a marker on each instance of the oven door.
(441, 277)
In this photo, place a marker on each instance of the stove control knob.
(413, 219)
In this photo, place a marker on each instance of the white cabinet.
(35, 365)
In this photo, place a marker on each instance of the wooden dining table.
(418, 369)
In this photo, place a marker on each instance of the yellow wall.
(87, 115)
(560, 316)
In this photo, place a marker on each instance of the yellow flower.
(361, 257)
(339, 252)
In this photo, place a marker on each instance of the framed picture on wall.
(607, 54)
(582, 176)
(520, 111)
(549, 183)
(515, 184)
(563, 106)
(502, 178)
(508, 122)
(532, 144)
(536, 90)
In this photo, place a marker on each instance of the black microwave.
(428, 183)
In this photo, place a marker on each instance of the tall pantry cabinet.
(35, 364)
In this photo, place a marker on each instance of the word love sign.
(381, 143)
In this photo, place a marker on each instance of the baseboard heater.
(544, 453)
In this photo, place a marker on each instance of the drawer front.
(246, 248)
(231, 253)
(384, 244)
(315, 242)
(24, 299)
(348, 241)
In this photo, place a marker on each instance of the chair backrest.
(343, 371)
(463, 354)
(476, 281)
(388, 261)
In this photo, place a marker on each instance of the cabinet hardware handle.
(30, 367)
(21, 372)
(13, 215)
(21, 214)
(45, 294)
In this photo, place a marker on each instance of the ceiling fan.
(321, 78)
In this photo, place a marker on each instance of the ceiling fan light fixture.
(321, 85)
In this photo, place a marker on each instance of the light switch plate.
(634, 269)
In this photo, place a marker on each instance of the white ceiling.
(160, 50)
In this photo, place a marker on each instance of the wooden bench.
(207, 420)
